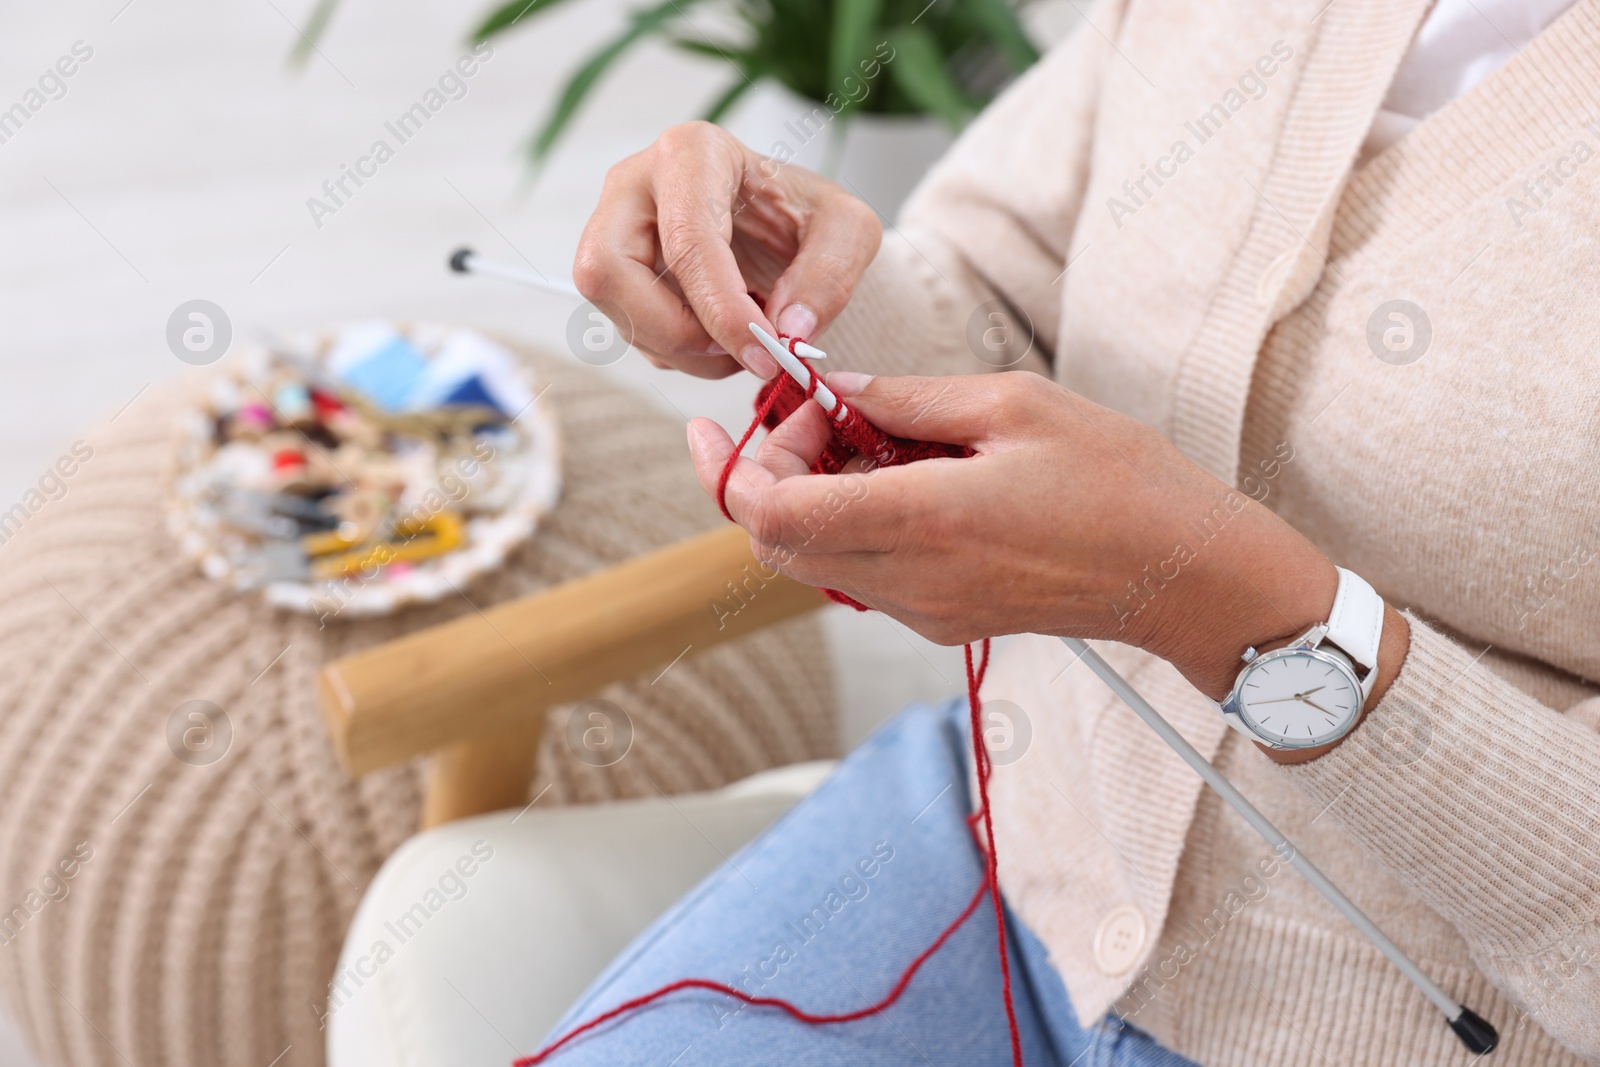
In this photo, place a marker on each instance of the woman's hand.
(686, 229)
(1071, 519)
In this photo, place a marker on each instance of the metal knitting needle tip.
(466, 261)
(799, 372)
(801, 349)
(1475, 1033)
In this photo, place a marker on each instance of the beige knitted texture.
(1228, 306)
(205, 925)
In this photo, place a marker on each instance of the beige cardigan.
(1223, 295)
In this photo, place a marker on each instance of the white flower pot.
(879, 158)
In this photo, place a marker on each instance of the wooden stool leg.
(481, 775)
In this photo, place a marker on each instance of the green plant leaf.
(793, 40)
(729, 97)
(644, 23)
(313, 32)
(999, 20)
(849, 43)
(918, 69)
(711, 49)
(508, 15)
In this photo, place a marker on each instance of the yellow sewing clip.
(413, 540)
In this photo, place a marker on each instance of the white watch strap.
(1356, 622)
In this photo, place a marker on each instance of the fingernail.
(797, 320)
(716, 349)
(848, 382)
(759, 362)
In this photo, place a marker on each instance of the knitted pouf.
(159, 911)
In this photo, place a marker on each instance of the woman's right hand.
(687, 229)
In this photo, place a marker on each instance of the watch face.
(1296, 698)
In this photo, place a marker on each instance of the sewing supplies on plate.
(364, 469)
(853, 436)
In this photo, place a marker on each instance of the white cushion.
(476, 936)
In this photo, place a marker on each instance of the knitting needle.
(466, 261)
(1473, 1030)
(800, 372)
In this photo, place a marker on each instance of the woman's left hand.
(1071, 519)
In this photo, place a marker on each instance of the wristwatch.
(1310, 692)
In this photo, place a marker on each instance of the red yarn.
(770, 1002)
(764, 404)
(980, 756)
(852, 436)
(855, 436)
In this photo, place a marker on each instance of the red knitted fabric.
(854, 436)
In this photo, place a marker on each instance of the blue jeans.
(825, 910)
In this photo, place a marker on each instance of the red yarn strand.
(980, 755)
(855, 436)
(767, 1002)
(765, 406)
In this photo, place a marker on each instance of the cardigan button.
(1273, 278)
(1120, 939)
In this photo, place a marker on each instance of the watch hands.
(1298, 696)
(1319, 707)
